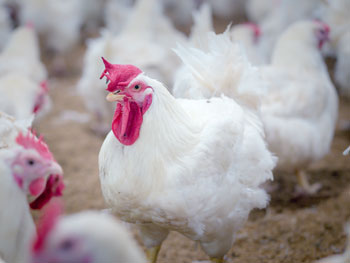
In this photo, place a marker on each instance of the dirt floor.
(289, 230)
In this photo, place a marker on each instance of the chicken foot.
(304, 186)
(152, 254)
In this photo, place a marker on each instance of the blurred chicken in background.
(88, 236)
(282, 14)
(26, 168)
(258, 10)
(58, 23)
(249, 36)
(21, 55)
(23, 84)
(116, 14)
(336, 14)
(5, 24)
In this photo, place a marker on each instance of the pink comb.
(46, 223)
(30, 24)
(43, 86)
(255, 28)
(119, 75)
(324, 25)
(30, 141)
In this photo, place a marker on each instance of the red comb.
(46, 223)
(30, 141)
(119, 75)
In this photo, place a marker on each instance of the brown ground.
(290, 230)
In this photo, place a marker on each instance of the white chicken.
(24, 169)
(152, 36)
(299, 105)
(258, 10)
(300, 109)
(88, 236)
(336, 14)
(92, 14)
(192, 166)
(343, 258)
(249, 35)
(10, 129)
(5, 25)
(22, 98)
(180, 11)
(58, 23)
(21, 55)
(23, 85)
(284, 13)
(116, 14)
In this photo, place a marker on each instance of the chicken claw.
(304, 186)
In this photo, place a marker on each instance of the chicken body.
(88, 237)
(300, 108)
(116, 14)
(336, 14)
(58, 22)
(23, 76)
(22, 97)
(5, 25)
(201, 176)
(283, 14)
(299, 105)
(17, 228)
(21, 55)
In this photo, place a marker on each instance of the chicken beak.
(114, 97)
(55, 168)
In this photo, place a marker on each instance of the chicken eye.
(30, 162)
(116, 92)
(137, 87)
(67, 245)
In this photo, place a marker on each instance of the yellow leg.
(152, 254)
(305, 185)
(217, 260)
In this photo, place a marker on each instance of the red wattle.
(127, 122)
(54, 187)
